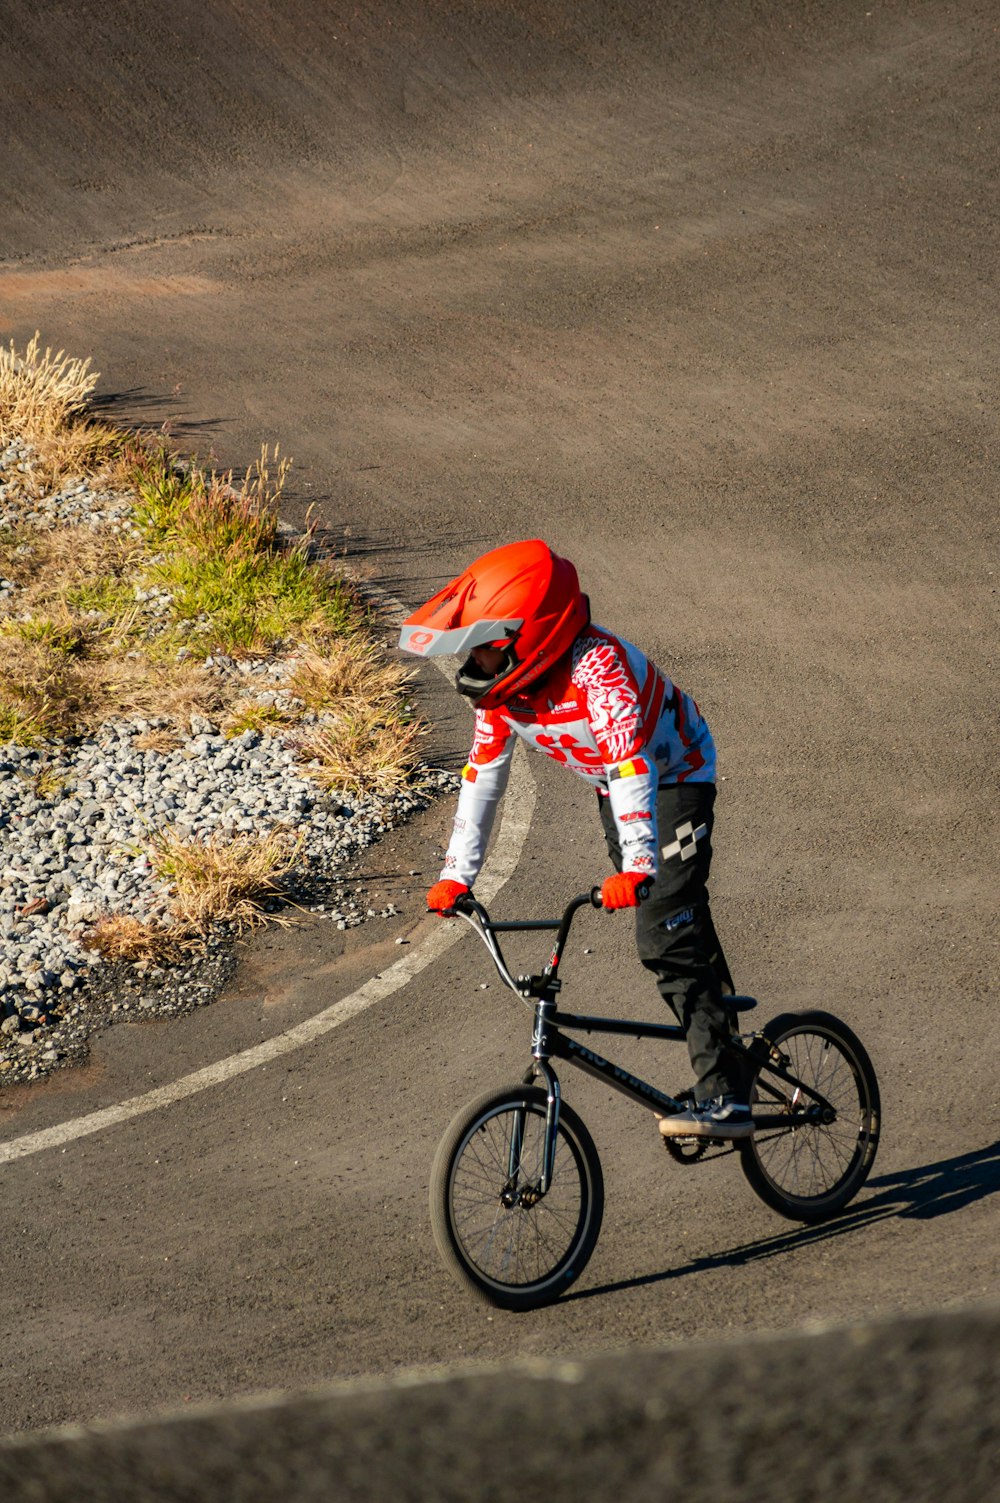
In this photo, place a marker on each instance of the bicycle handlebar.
(468, 907)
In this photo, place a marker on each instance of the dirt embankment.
(120, 117)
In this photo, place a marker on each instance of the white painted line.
(515, 821)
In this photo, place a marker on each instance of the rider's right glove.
(620, 891)
(442, 896)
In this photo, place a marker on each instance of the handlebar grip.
(642, 893)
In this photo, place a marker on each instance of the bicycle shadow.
(917, 1194)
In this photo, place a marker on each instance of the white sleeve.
(632, 789)
(484, 778)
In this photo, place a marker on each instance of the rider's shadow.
(921, 1194)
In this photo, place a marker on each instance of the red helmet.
(522, 597)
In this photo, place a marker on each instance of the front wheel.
(814, 1096)
(508, 1243)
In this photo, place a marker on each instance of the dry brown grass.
(48, 563)
(42, 692)
(367, 742)
(350, 672)
(79, 696)
(126, 686)
(119, 936)
(160, 740)
(362, 751)
(46, 686)
(44, 400)
(216, 879)
(86, 449)
(222, 879)
(40, 392)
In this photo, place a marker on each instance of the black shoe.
(719, 1117)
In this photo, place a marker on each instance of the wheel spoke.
(514, 1244)
(813, 1163)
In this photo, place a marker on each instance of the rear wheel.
(509, 1244)
(809, 1157)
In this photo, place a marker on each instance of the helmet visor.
(428, 643)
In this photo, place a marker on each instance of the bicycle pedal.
(685, 1150)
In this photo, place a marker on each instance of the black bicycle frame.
(549, 1042)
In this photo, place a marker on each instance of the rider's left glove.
(621, 890)
(442, 896)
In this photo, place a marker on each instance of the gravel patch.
(74, 503)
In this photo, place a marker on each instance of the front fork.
(540, 1067)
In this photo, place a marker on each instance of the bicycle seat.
(740, 1002)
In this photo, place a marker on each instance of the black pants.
(674, 932)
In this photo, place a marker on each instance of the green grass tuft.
(63, 639)
(20, 727)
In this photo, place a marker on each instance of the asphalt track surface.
(706, 296)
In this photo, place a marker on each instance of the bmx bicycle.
(516, 1187)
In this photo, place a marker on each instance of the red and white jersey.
(612, 717)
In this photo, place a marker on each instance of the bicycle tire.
(811, 1170)
(509, 1253)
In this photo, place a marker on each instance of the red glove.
(441, 898)
(620, 890)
